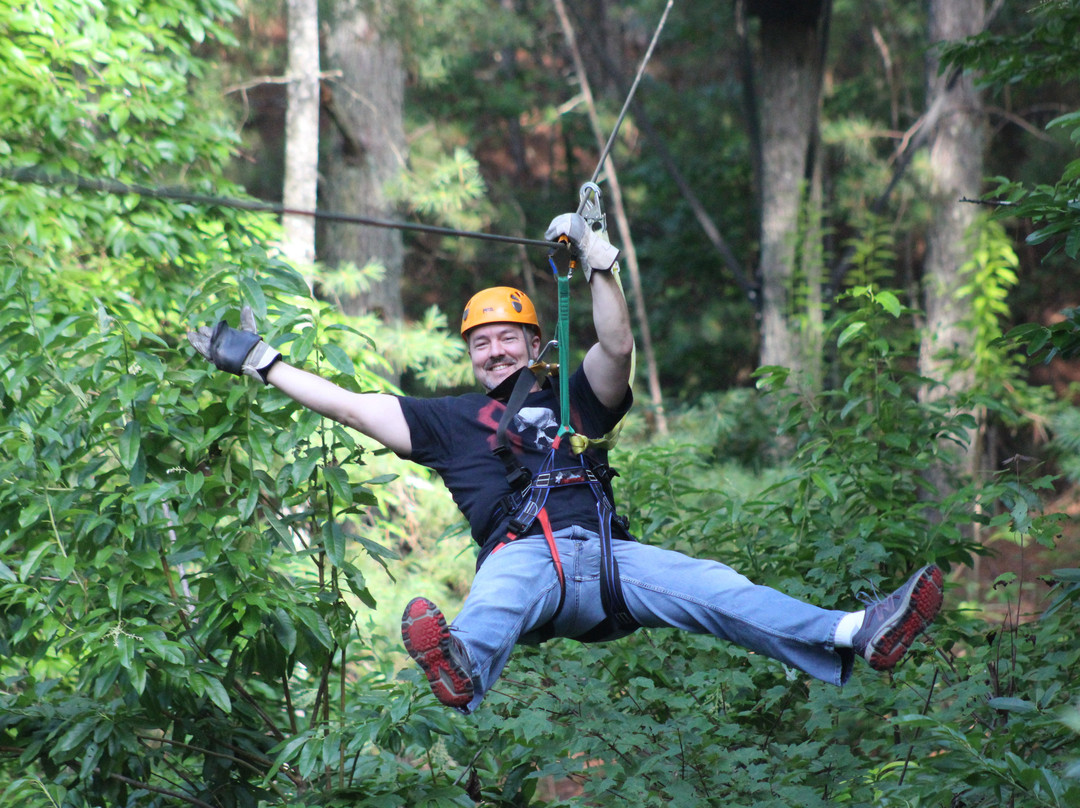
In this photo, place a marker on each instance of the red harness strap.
(545, 523)
(549, 537)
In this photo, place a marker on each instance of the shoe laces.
(871, 598)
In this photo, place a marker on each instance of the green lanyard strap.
(562, 337)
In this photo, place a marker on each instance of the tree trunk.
(790, 86)
(364, 154)
(302, 132)
(956, 170)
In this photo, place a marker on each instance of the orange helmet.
(499, 304)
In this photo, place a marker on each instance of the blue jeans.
(516, 592)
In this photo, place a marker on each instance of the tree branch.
(179, 795)
(244, 86)
(151, 739)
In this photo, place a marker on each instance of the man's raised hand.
(239, 351)
(597, 255)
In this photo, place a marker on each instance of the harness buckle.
(521, 521)
(510, 502)
(519, 478)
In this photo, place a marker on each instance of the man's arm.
(377, 415)
(243, 352)
(608, 362)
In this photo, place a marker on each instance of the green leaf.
(75, 736)
(309, 757)
(248, 503)
(303, 345)
(889, 302)
(252, 294)
(339, 359)
(826, 486)
(850, 333)
(334, 542)
(1072, 171)
(216, 692)
(279, 527)
(169, 651)
(287, 751)
(1068, 119)
(856, 402)
(193, 482)
(284, 630)
(338, 480)
(287, 280)
(315, 623)
(382, 479)
(1004, 579)
(1072, 243)
(1012, 705)
(129, 444)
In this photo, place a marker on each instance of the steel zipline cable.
(34, 176)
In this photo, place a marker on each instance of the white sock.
(845, 630)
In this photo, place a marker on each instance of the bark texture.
(788, 104)
(956, 171)
(302, 132)
(364, 152)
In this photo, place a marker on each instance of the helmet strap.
(525, 333)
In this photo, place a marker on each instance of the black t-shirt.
(455, 436)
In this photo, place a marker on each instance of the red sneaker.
(441, 656)
(891, 625)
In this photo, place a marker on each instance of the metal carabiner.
(591, 208)
(542, 369)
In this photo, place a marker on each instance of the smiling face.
(499, 349)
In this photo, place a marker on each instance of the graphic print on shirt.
(537, 424)
(489, 417)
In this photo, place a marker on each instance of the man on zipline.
(554, 561)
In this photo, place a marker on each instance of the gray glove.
(241, 352)
(597, 255)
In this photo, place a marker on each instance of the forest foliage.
(189, 562)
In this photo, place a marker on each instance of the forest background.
(849, 236)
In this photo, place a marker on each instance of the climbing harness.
(527, 500)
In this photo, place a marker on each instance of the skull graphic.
(540, 419)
